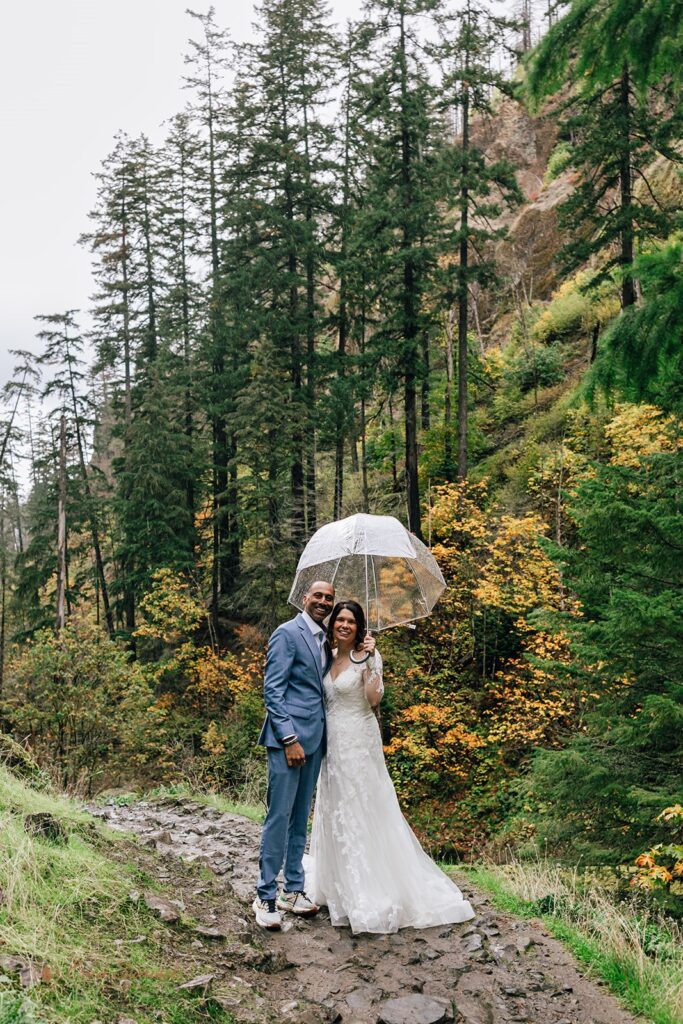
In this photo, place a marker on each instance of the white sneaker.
(267, 915)
(297, 903)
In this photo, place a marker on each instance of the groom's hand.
(295, 755)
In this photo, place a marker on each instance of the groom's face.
(319, 599)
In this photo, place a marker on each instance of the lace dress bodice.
(349, 696)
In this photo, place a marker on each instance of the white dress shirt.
(319, 634)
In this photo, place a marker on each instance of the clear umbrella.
(373, 560)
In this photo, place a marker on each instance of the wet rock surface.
(492, 970)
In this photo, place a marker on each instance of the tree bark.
(628, 292)
(463, 294)
(60, 618)
(410, 299)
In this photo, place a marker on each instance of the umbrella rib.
(422, 593)
(374, 580)
(334, 574)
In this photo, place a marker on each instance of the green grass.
(638, 955)
(65, 905)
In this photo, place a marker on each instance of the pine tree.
(642, 355)
(400, 206)
(287, 79)
(483, 188)
(207, 63)
(621, 120)
(182, 300)
(120, 273)
(602, 793)
(63, 348)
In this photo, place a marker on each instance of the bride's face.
(345, 628)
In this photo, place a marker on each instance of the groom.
(294, 735)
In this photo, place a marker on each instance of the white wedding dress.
(365, 863)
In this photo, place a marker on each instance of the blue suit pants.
(283, 839)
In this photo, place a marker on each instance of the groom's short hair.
(317, 583)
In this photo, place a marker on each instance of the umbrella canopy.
(373, 560)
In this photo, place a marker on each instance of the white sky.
(73, 73)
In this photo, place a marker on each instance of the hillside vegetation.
(375, 272)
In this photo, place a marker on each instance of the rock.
(211, 933)
(474, 1009)
(473, 943)
(221, 867)
(43, 825)
(304, 1012)
(363, 998)
(413, 1009)
(11, 963)
(202, 981)
(163, 908)
(30, 974)
(516, 992)
(524, 942)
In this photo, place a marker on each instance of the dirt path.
(492, 970)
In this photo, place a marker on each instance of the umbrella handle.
(365, 657)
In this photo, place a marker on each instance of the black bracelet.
(290, 740)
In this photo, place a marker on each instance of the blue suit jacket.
(293, 688)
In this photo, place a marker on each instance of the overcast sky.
(73, 73)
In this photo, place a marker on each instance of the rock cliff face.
(513, 134)
(526, 257)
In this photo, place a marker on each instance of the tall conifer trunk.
(61, 612)
(463, 292)
(410, 300)
(628, 292)
(128, 591)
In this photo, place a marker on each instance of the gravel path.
(492, 970)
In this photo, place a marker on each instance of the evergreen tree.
(470, 40)
(620, 121)
(182, 309)
(642, 355)
(63, 350)
(287, 79)
(207, 63)
(400, 206)
(602, 792)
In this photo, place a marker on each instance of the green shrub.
(558, 161)
(567, 314)
(80, 702)
(537, 368)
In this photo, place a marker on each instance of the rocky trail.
(492, 970)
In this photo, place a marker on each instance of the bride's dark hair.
(358, 614)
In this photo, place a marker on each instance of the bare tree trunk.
(60, 619)
(628, 292)
(363, 417)
(448, 398)
(463, 296)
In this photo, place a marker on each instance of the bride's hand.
(369, 644)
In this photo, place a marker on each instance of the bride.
(366, 865)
